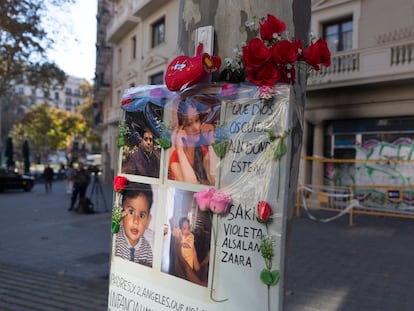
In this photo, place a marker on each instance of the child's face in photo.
(136, 219)
(185, 228)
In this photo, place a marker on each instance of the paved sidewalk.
(332, 267)
(52, 259)
(61, 258)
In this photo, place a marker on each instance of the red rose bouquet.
(273, 58)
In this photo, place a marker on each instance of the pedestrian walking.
(81, 181)
(48, 174)
(70, 174)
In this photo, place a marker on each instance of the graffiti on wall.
(381, 175)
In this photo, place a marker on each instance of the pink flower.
(203, 198)
(119, 183)
(220, 202)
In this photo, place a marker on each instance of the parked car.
(12, 180)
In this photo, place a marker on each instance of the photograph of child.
(186, 249)
(185, 238)
(134, 239)
(191, 158)
(141, 155)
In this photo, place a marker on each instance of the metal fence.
(395, 199)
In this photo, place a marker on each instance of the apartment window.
(20, 90)
(133, 47)
(56, 95)
(158, 78)
(68, 101)
(68, 91)
(46, 94)
(338, 35)
(76, 92)
(158, 32)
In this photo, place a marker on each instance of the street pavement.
(367, 267)
(53, 259)
(50, 258)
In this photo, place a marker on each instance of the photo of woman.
(190, 157)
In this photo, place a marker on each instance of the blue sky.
(73, 27)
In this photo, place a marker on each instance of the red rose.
(271, 27)
(255, 54)
(284, 52)
(265, 75)
(318, 53)
(264, 211)
(298, 47)
(288, 74)
(119, 183)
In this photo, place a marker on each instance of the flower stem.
(268, 297)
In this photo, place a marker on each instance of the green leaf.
(279, 148)
(120, 142)
(270, 278)
(275, 277)
(220, 148)
(163, 142)
(114, 227)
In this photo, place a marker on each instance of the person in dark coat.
(146, 160)
(48, 174)
(81, 181)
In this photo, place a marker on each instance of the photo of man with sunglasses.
(145, 160)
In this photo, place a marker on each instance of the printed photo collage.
(167, 156)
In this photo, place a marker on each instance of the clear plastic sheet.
(232, 138)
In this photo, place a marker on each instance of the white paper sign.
(201, 260)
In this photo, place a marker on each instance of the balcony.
(143, 8)
(122, 22)
(384, 63)
(102, 86)
(103, 56)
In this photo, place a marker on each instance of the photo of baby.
(133, 241)
(186, 248)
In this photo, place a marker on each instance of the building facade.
(362, 106)
(135, 42)
(67, 98)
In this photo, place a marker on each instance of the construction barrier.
(394, 200)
